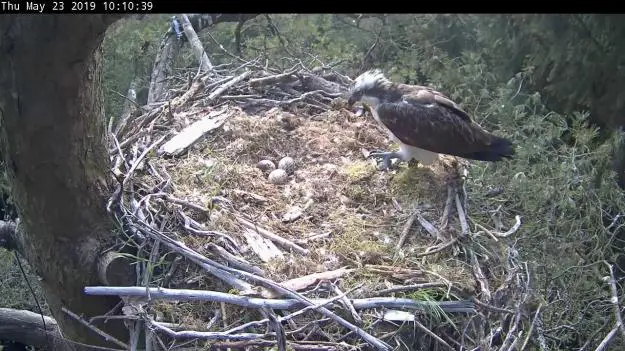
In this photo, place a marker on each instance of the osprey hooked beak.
(353, 98)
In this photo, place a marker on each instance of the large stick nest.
(392, 250)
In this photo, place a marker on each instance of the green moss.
(359, 171)
(412, 183)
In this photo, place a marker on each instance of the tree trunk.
(53, 133)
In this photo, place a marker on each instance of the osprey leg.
(386, 157)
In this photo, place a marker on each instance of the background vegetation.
(553, 83)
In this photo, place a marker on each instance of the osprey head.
(369, 88)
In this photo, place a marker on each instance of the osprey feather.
(424, 122)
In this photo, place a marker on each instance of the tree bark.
(53, 135)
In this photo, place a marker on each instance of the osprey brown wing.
(441, 129)
(425, 95)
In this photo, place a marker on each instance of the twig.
(235, 261)
(271, 236)
(294, 314)
(413, 287)
(462, 216)
(264, 344)
(277, 78)
(511, 231)
(608, 338)
(447, 210)
(406, 230)
(439, 248)
(228, 85)
(348, 305)
(187, 334)
(490, 307)
(98, 331)
(479, 276)
(430, 333)
(140, 159)
(532, 326)
(614, 300)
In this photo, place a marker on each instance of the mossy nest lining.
(351, 213)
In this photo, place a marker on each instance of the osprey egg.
(266, 166)
(287, 164)
(278, 177)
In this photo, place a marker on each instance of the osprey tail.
(500, 148)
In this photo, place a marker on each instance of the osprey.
(424, 122)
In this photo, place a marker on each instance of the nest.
(340, 256)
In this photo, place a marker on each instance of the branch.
(278, 304)
(27, 328)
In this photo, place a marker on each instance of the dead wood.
(41, 332)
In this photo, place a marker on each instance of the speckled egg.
(266, 166)
(278, 177)
(287, 164)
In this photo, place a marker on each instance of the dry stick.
(180, 202)
(199, 230)
(140, 158)
(277, 327)
(479, 276)
(430, 333)
(462, 216)
(406, 230)
(228, 85)
(608, 339)
(614, 300)
(495, 234)
(97, 330)
(439, 248)
(306, 95)
(410, 288)
(266, 344)
(294, 314)
(345, 301)
(490, 307)
(271, 80)
(210, 266)
(235, 261)
(427, 226)
(271, 236)
(511, 339)
(463, 224)
(187, 334)
(532, 326)
(215, 267)
(223, 272)
(463, 306)
(448, 203)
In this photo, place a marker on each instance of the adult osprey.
(424, 122)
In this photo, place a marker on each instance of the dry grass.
(361, 209)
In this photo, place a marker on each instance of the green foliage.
(15, 291)
(129, 49)
(562, 192)
(575, 60)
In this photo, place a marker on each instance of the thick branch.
(27, 328)
(281, 304)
